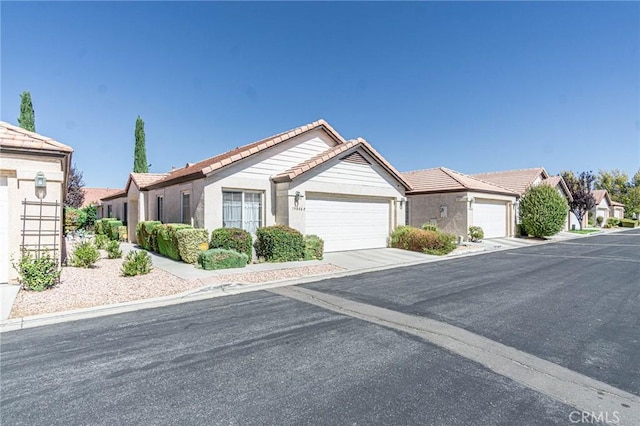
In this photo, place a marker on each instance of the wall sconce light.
(402, 202)
(41, 185)
(296, 198)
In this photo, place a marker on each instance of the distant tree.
(615, 182)
(543, 211)
(621, 189)
(140, 164)
(75, 194)
(580, 188)
(27, 119)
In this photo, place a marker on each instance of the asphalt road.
(261, 358)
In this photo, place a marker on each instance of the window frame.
(182, 206)
(160, 208)
(243, 192)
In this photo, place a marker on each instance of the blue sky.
(474, 87)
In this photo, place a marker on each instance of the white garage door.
(4, 230)
(347, 223)
(491, 217)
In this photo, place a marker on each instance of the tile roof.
(16, 137)
(554, 181)
(143, 180)
(332, 152)
(516, 180)
(599, 194)
(212, 164)
(616, 204)
(121, 193)
(94, 195)
(442, 179)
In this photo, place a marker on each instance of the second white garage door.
(347, 223)
(491, 216)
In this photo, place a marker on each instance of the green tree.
(75, 194)
(140, 164)
(27, 119)
(621, 188)
(580, 188)
(543, 211)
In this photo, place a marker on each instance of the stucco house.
(309, 178)
(94, 196)
(602, 207)
(34, 170)
(617, 210)
(454, 201)
(522, 179)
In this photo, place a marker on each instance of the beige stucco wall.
(20, 171)
(425, 208)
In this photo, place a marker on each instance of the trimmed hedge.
(279, 243)
(313, 247)
(190, 242)
(628, 223)
(111, 228)
(144, 233)
(221, 259)
(422, 241)
(99, 230)
(232, 239)
(167, 240)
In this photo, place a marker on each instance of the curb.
(214, 291)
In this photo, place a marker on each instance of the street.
(423, 344)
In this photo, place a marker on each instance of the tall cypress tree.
(140, 164)
(27, 119)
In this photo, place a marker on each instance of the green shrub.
(71, 219)
(313, 247)
(167, 240)
(232, 239)
(279, 243)
(543, 211)
(398, 237)
(613, 221)
(99, 230)
(422, 241)
(110, 228)
(101, 241)
(144, 233)
(90, 213)
(37, 273)
(520, 231)
(590, 221)
(629, 223)
(191, 242)
(429, 227)
(446, 244)
(123, 235)
(137, 262)
(476, 233)
(84, 255)
(599, 220)
(221, 259)
(113, 250)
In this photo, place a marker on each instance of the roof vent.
(355, 158)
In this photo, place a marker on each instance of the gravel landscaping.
(103, 285)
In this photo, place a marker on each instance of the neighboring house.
(454, 202)
(617, 210)
(309, 178)
(602, 207)
(93, 197)
(33, 181)
(520, 180)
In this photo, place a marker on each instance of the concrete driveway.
(375, 258)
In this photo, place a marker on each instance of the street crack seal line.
(560, 383)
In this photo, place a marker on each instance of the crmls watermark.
(606, 417)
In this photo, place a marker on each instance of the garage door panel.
(491, 217)
(348, 223)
